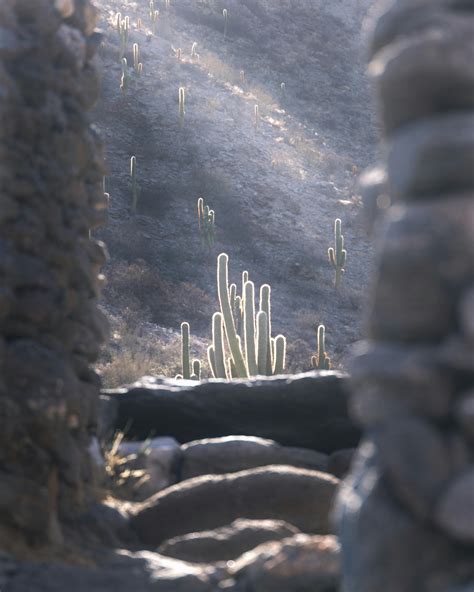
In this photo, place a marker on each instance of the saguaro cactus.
(321, 360)
(181, 100)
(185, 361)
(125, 79)
(229, 324)
(188, 371)
(225, 14)
(123, 28)
(206, 223)
(338, 255)
(135, 186)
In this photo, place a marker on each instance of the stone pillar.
(51, 170)
(406, 513)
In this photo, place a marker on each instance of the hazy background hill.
(276, 189)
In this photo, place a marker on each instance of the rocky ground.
(237, 513)
(276, 187)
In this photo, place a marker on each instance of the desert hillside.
(277, 179)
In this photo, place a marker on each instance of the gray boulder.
(228, 542)
(237, 453)
(301, 497)
(301, 563)
(306, 410)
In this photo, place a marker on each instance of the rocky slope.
(276, 187)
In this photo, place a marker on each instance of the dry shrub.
(141, 288)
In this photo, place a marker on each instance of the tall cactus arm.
(218, 346)
(185, 351)
(280, 354)
(212, 360)
(265, 306)
(229, 325)
(196, 375)
(262, 341)
(249, 328)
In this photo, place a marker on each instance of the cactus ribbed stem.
(321, 360)
(212, 360)
(135, 190)
(218, 365)
(229, 325)
(265, 306)
(338, 255)
(196, 375)
(185, 362)
(181, 98)
(262, 341)
(279, 354)
(225, 14)
(249, 328)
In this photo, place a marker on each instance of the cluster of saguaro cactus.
(338, 255)
(135, 186)
(321, 360)
(123, 28)
(248, 348)
(189, 371)
(207, 223)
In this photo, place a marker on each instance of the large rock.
(301, 497)
(236, 453)
(302, 563)
(386, 547)
(122, 572)
(429, 71)
(307, 411)
(455, 512)
(228, 542)
(159, 458)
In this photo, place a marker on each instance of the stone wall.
(406, 513)
(50, 197)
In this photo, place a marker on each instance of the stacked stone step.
(406, 513)
(51, 197)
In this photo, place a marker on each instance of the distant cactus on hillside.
(135, 186)
(338, 255)
(181, 99)
(321, 360)
(189, 371)
(225, 14)
(206, 223)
